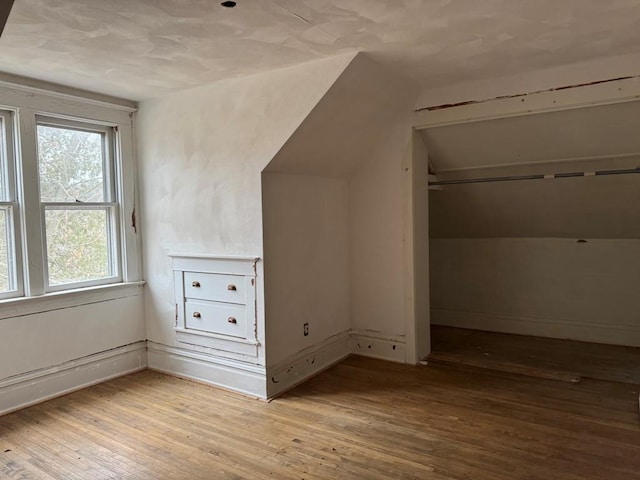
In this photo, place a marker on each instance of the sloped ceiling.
(587, 139)
(333, 141)
(145, 48)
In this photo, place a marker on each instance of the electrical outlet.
(306, 329)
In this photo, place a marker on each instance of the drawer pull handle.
(195, 284)
(232, 320)
(196, 315)
(232, 288)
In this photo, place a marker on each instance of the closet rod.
(598, 173)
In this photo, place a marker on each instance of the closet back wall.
(534, 258)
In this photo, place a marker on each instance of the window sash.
(12, 208)
(109, 147)
(110, 205)
(113, 244)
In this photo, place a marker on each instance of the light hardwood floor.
(553, 358)
(362, 419)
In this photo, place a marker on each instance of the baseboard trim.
(242, 377)
(34, 387)
(307, 363)
(385, 346)
(542, 327)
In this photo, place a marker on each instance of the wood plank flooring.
(362, 419)
(551, 358)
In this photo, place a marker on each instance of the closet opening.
(534, 243)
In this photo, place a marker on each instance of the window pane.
(3, 160)
(7, 272)
(71, 165)
(77, 245)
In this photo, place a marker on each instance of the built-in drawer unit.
(216, 303)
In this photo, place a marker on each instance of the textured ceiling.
(138, 49)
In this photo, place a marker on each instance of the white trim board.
(34, 387)
(315, 359)
(241, 377)
(626, 335)
(24, 306)
(374, 344)
(615, 91)
(307, 363)
(256, 381)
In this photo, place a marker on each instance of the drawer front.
(215, 287)
(216, 318)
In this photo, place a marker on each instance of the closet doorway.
(534, 242)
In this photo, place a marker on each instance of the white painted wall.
(539, 286)
(306, 240)
(201, 153)
(42, 340)
(360, 133)
(376, 246)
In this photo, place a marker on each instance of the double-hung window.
(78, 203)
(67, 191)
(11, 280)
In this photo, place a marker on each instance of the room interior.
(377, 204)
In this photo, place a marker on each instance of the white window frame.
(27, 107)
(14, 253)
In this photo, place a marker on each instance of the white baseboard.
(540, 327)
(242, 377)
(27, 389)
(386, 346)
(307, 363)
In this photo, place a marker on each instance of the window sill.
(22, 306)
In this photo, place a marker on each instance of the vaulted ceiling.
(145, 48)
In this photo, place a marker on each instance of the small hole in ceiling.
(228, 4)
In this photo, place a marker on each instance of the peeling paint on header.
(518, 95)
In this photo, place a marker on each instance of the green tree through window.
(75, 194)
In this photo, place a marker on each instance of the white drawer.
(216, 318)
(215, 286)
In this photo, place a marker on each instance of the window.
(10, 273)
(67, 188)
(77, 198)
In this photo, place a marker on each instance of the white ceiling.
(138, 49)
